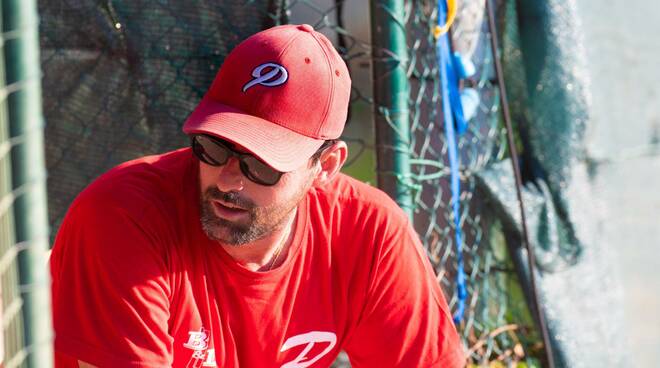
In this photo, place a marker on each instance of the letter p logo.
(277, 75)
(310, 339)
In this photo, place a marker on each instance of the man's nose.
(230, 178)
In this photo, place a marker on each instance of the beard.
(261, 220)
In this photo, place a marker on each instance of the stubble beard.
(261, 220)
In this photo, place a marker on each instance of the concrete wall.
(623, 50)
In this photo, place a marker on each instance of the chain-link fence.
(11, 341)
(120, 77)
(12, 330)
(25, 338)
(496, 326)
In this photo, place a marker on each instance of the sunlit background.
(623, 52)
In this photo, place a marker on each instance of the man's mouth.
(229, 205)
(227, 210)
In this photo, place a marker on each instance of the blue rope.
(454, 120)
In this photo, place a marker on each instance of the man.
(249, 249)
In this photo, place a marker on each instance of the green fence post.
(12, 327)
(391, 91)
(20, 25)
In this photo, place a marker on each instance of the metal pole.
(11, 341)
(20, 26)
(391, 91)
(540, 318)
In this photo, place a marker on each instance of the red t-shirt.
(136, 283)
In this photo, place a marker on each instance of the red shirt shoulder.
(350, 204)
(146, 181)
(111, 263)
(398, 314)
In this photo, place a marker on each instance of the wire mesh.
(24, 336)
(12, 352)
(121, 76)
(496, 325)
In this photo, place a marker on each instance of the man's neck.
(268, 252)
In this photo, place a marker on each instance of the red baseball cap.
(279, 94)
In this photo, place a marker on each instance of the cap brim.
(281, 148)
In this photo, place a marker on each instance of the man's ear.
(330, 162)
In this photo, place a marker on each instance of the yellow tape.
(451, 15)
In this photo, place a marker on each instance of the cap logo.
(272, 78)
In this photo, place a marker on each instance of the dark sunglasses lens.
(209, 151)
(259, 172)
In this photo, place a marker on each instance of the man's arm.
(406, 321)
(110, 289)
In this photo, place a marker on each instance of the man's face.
(236, 211)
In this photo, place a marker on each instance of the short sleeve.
(110, 289)
(406, 320)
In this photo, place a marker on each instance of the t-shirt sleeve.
(110, 290)
(405, 321)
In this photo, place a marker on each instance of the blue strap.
(454, 119)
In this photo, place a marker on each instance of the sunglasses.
(216, 152)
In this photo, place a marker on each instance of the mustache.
(229, 197)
